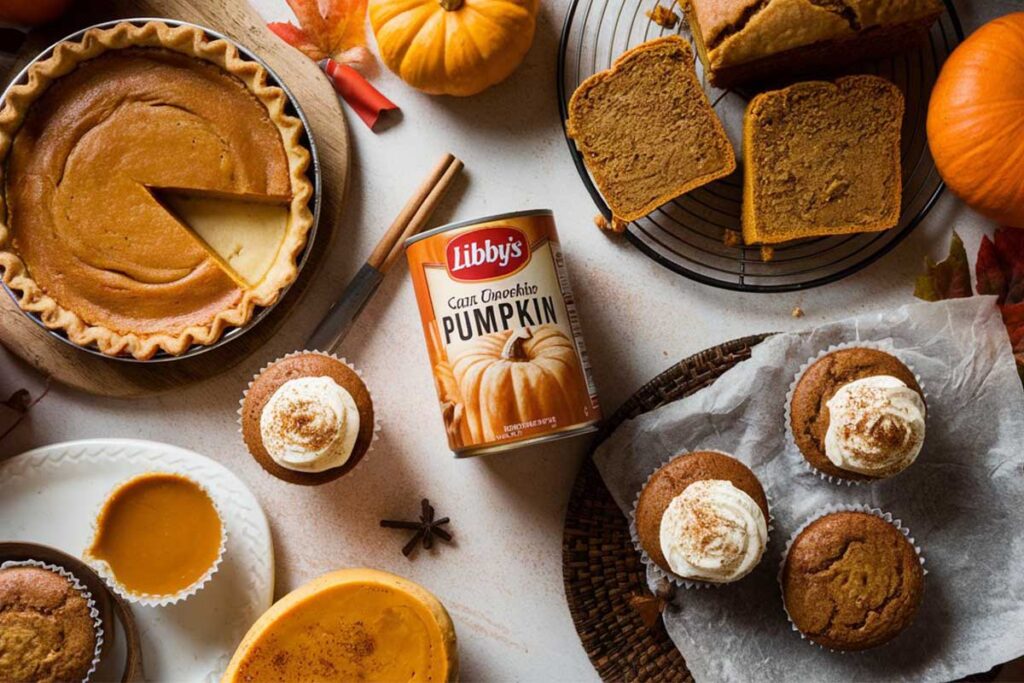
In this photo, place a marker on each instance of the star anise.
(426, 529)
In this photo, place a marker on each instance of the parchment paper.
(963, 500)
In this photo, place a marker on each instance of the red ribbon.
(366, 100)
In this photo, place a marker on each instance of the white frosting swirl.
(310, 424)
(713, 531)
(876, 426)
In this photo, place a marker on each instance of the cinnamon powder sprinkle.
(302, 421)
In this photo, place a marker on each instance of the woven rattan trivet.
(601, 569)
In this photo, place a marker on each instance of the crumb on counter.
(601, 222)
(663, 16)
(767, 253)
(797, 312)
(731, 238)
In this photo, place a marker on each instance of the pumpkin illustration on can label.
(503, 335)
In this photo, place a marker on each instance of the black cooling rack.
(687, 234)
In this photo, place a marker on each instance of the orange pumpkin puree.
(351, 625)
(158, 532)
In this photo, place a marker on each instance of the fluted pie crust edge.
(191, 41)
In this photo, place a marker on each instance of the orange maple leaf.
(327, 28)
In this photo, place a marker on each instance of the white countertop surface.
(502, 581)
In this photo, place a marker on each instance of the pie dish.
(154, 189)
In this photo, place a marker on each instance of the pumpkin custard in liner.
(701, 519)
(852, 578)
(856, 412)
(158, 539)
(50, 628)
(308, 418)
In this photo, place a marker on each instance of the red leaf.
(297, 38)
(1013, 317)
(948, 279)
(989, 271)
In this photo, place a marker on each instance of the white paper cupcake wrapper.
(94, 613)
(653, 568)
(147, 599)
(376, 413)
(791, 439)
(877, 512)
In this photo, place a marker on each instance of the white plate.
(50, 495)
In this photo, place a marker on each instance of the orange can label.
(502, 332)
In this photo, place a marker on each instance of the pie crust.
(157, 286)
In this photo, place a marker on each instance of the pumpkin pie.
(158, 538)
(350, 625)
(154, 190)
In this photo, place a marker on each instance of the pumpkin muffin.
(308, 418)
(158, 538)
(858, 414)
(703, 517)
(47, 627)
(851, 581)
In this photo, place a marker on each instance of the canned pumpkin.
(502, 332)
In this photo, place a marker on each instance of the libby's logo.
(487, 253)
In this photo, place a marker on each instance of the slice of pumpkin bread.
(822, 158)
(646, 129)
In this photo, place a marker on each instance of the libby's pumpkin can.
(502, 332)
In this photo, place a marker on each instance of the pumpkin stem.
(450, 5)
(513, 349)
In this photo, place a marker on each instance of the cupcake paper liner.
(376, 419)
(877, 512)
(652, 566)
(791, 439)
(80, 587)
(147, 599)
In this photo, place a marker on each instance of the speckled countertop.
(502, 581)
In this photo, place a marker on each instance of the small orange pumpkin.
(507, 378)
(453, 47)
(976, 120)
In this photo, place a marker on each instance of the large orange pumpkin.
(976, 120)
(510, 377)
(453, 47)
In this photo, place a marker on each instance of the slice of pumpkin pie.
(154, 190)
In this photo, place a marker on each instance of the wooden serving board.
(237, 20)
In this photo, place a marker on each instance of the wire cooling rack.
(687, 235)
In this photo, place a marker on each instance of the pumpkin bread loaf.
(750, 40)
(851, 581)
(646, 129)
(47, 632)
(822, 159)
(673, 478)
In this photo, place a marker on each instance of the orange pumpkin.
(453, 47)
(976, 120)
(506, 378)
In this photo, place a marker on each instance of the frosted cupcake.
(308, 418)
(703, 518)
(858, 414)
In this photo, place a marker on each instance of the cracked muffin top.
(47, 632)
(858, 413)
(851, 581)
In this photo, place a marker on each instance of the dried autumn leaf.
(948, 279)
(1009, 248)
(331, 28)
(989, 271)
